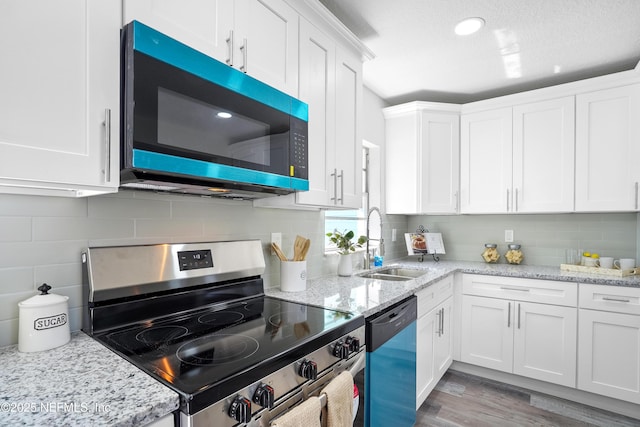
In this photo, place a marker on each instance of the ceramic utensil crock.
(43, 321)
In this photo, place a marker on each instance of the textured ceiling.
(525, 44)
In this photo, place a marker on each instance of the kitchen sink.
(396, 274)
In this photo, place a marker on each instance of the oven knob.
(240, 409)
(341, 350)
(308, 369)
(354, 344)
(264, 396)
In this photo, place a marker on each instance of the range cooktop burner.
(209, 350)
(221, 318)
(217, 348)
(159, 335)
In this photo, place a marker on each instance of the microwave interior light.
(224, 115)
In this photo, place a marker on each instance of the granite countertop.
(78, 384)
(369, 296)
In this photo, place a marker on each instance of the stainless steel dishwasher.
(390, 373)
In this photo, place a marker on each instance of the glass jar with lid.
(514, 254)
(490, 254)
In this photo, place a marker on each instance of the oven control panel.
(193, 260)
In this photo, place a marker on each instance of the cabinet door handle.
(519, 305)
(341, 176)
(506, 288)
(243, 48)
(457, 196)
(438, 315)
(509, 316)
(636, 195)
(229, 41)
(615, 299)
(442, 322)
(515, 202)
(507, 200)
(107, 144)
(335, 186)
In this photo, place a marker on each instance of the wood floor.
(466, 400)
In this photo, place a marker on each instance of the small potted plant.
(346, 246)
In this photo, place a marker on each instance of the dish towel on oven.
(306, 414)
(339, 410)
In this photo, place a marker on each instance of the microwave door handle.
(230, 45)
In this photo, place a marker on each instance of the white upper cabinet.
(60, 86)
(422, 141)
(607, 149)
(543, 156)
(518, 159)
(486, 161)
(347, 156)
(205, 25)
(331, 84)
(258, 37)
(266, 42)
(317, 89)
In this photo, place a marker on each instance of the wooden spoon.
(298, 246)
(305, 249)
(278, 252)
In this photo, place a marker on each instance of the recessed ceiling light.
(469, 26)
(224, 115)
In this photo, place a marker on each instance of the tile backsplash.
(544, 237)
(41, 238)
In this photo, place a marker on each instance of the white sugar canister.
(43, 321)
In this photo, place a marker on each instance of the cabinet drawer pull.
(507, 200)
(509, 316)
(505, 288)
(229, 41)
(244, 67)
(615, 299)
(341, 176)
(335, 186)
(107, 143)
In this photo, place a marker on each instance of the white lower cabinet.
(434, 343)
(502, 329)
(609, 345)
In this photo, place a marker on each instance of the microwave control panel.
(298, 150)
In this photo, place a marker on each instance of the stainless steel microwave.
(191, 124)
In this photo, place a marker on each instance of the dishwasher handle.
(390, 322)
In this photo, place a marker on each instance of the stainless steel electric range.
(194, 316)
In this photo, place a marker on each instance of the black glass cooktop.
(209, 353)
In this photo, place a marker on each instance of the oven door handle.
(358, 364)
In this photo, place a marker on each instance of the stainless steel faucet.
(367, 257)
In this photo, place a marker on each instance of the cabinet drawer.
(429, 298)
(533, 290)
(610, 298)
